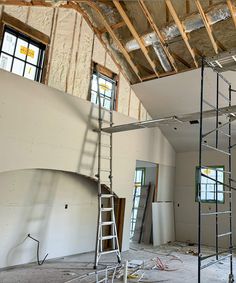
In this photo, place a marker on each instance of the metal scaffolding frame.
(203, 261)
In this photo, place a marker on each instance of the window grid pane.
(210, 189)
(106, 85)
(21, 55)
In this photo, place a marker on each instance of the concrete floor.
(65, 269)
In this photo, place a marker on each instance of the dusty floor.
(178, 258)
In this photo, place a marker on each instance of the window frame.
(107, 75)
(34, 36)
(197, 182)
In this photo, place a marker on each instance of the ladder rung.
(105, 145)
(105, 170)
(106, 157)
(214, 169)
(225, 234)
(108, 237)
(106, 209)
(109, 252)
(107, 223)
(107, 195)
(214, 262)
(216, 213)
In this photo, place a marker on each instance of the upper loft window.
(105, 86)
(22, 55)
(212, 179)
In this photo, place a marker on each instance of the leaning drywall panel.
(99, 52)
(36, 199)
(83, 68)
(61, 56)
(18, 12)
(123, 95)
(41, 18)
(163, 223)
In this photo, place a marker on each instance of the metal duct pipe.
(216, 14)
(194, 22)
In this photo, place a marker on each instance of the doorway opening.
(144, 194)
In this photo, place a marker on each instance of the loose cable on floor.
(38, 244)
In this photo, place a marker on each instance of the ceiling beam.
(232, 10)
(114, 27)
(207, 26)
(135, 35)
(113, 36)
(181, 30)
(158, 33)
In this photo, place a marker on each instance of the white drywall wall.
(33, 201)
(44, 128)
(186, 209)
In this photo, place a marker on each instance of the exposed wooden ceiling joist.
(207, 26)
(232, 9)
(115, 26)
(135, 35)
(181, 30)
(158, 33)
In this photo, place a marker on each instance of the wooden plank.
(232, 10)
(135, 35)
(181, 30)
(207, 26)
(22, 27)
(158, 33)
(114, 27)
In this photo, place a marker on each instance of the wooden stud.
(232, 10)
(158, 33)
(207, 26)
(181, 30)
(114, 27)
(135, 35)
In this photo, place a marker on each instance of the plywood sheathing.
(99, 52)
(60, 61)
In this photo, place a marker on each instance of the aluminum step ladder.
(106, 225)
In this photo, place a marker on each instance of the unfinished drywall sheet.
(123, 95)
(63, 43)
(134, 105)
(19, 12)
(166, 183)
(163, 223)
(99, 52)
(41, 19)
(37, 199)
(83, 68)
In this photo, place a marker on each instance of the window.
(21, 55)
(107, 88)
(138, 183)
(209, 186)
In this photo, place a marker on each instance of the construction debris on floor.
(174, 262)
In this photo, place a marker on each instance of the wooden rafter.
(232, 10)
(181, 60)
(207, 26)
(114, 27)
(135, 35)
(113, 35)
(181, 30)
(158, 33)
